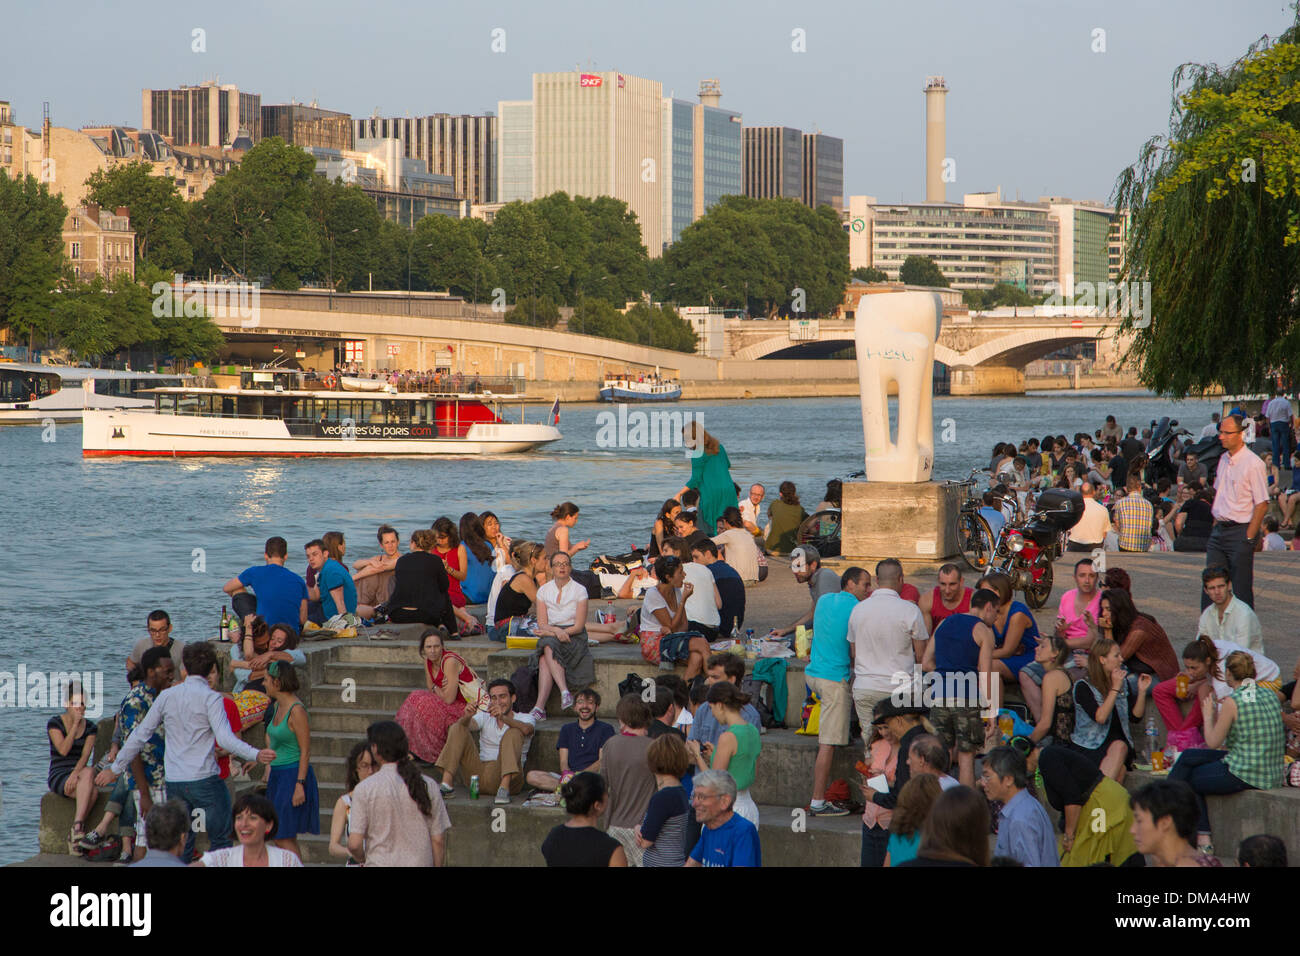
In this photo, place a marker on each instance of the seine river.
(94, 545)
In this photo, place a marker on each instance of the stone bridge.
(984, 353)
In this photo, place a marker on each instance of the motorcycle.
(1159, 463)
(1025, 549)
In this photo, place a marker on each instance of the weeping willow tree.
(1215, 228)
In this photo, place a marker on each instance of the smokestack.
(935, 135)
(710, 92)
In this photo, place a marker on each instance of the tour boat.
(274, 412)
(629, 390)
(33, 394)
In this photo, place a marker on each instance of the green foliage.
(1002, 293)
(598, 317)
(661, 327)
(755, 254)
(446, 255)
(920, 270)
(1220, 247)
(31, 255)
(869, 274)
(518, 249)
(540, 312)
(263, 209)
(158, 212)
(347, 217)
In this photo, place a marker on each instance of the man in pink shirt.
(1079, 609)
(1240, 503)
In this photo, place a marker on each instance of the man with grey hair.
(1025, 832)
(887, 637)
(727, 839)
(929, 754)
(165, 827)
(749, 509)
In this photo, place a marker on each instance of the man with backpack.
(720, 667)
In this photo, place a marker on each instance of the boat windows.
(17, 385)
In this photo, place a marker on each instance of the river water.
(93, 545)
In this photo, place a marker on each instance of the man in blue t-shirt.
(828, 675)
(727, 839)
(279, 595)
(334, 586)
(579, 743)
(731, 587)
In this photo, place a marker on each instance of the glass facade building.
(823, 171)
(515, 163)
(722, 159)
(300, 125)
(773, 162)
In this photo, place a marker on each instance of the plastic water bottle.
(610, 614)
(1153, 737)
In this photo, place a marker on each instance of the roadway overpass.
(985, 354)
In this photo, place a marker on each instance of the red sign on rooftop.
(590, 79)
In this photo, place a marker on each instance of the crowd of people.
(673, 779)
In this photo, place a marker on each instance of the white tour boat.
(31, 394)
(276, 412)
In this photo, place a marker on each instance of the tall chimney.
(710, 92)
(935, 130)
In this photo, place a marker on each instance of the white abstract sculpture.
(895, 334)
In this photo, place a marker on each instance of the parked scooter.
(1025, 550)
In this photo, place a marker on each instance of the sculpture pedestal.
(911, 521)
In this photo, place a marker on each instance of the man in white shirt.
(1212, 429)
(193, 719)
(1240, 503)
(886, 637)
(740, 548)
(504, 739)
(704, 603)
(1228, 618)
(1090, 533)
(750, 508)
(1280, 418)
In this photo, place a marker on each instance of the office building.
(515, 154)
(1083, 241)
(203, 115)
(463, 147)
(601, 134)
(403, 189)
(702, 158)
(300, 125)
(823, 171)
(773, 162)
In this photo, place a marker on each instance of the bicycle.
(974, 536)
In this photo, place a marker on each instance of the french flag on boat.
(555, 412)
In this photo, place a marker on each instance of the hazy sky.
(1032, 108)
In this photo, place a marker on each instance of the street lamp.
(348, 233)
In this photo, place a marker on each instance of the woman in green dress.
(710, 476)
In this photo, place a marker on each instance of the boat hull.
(619, 394)
(149, 434)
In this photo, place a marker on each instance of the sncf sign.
(590, 79)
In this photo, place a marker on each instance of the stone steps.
(513, 837)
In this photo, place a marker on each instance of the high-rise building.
(300, 125)
(773, 162)
(858, 226)
(601, 134)
(1116, 240)
(203, 115)
(463, 147)
(403, 189)
(823, 171)
(1083, 241)
(515, 153)
(702, 158)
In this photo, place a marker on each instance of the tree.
(158, 214)
(341, 212)
(598, 317)
(661, 328)
(1215, 228)
(617, 263)
(261, 209)
(540, 312)
(31, 255)
(447, 256)
(919, 270)
(1002, 293)
(869, 274)
(517, 249)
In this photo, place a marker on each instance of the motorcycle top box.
(1065, 509)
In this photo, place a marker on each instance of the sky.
(1040, 101)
